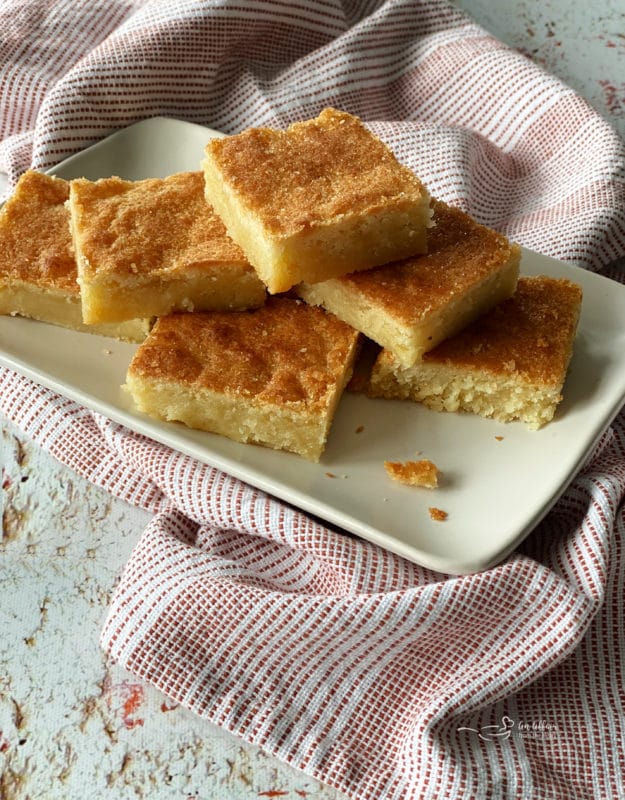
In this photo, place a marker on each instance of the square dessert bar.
(38, 276)
(272, 376)
(509, 364)
(322, 198)
(154, 246)
(408, 307)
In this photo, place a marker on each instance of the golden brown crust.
(437, 514)
(529, 335)
(414, 473)
(154, 226)
(35, 241)
(283, 353)
(460, 254)
(313, 172)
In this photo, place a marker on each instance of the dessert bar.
(154, 246)
(37, 264)
(410, 306)
(509, 364)
(322, 198)
(272, 376)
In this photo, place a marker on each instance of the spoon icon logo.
(493, 733)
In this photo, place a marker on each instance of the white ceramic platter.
(494, 489)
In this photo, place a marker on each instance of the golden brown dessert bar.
(509, 364)
(320, 199)
(154, 246)
(37, 264)
(410, 306)
(273, 376)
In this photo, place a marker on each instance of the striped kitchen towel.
(376, 676)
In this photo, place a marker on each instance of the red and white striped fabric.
(376, 676)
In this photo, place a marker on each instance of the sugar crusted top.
(313, 172)
(529, 334)
(285, 353)
(157, 225)
(35, 241)
(461, 253)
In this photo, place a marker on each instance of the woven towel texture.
(376, 676)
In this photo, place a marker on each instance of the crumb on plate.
(414, 473)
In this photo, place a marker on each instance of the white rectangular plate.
(494, 490)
